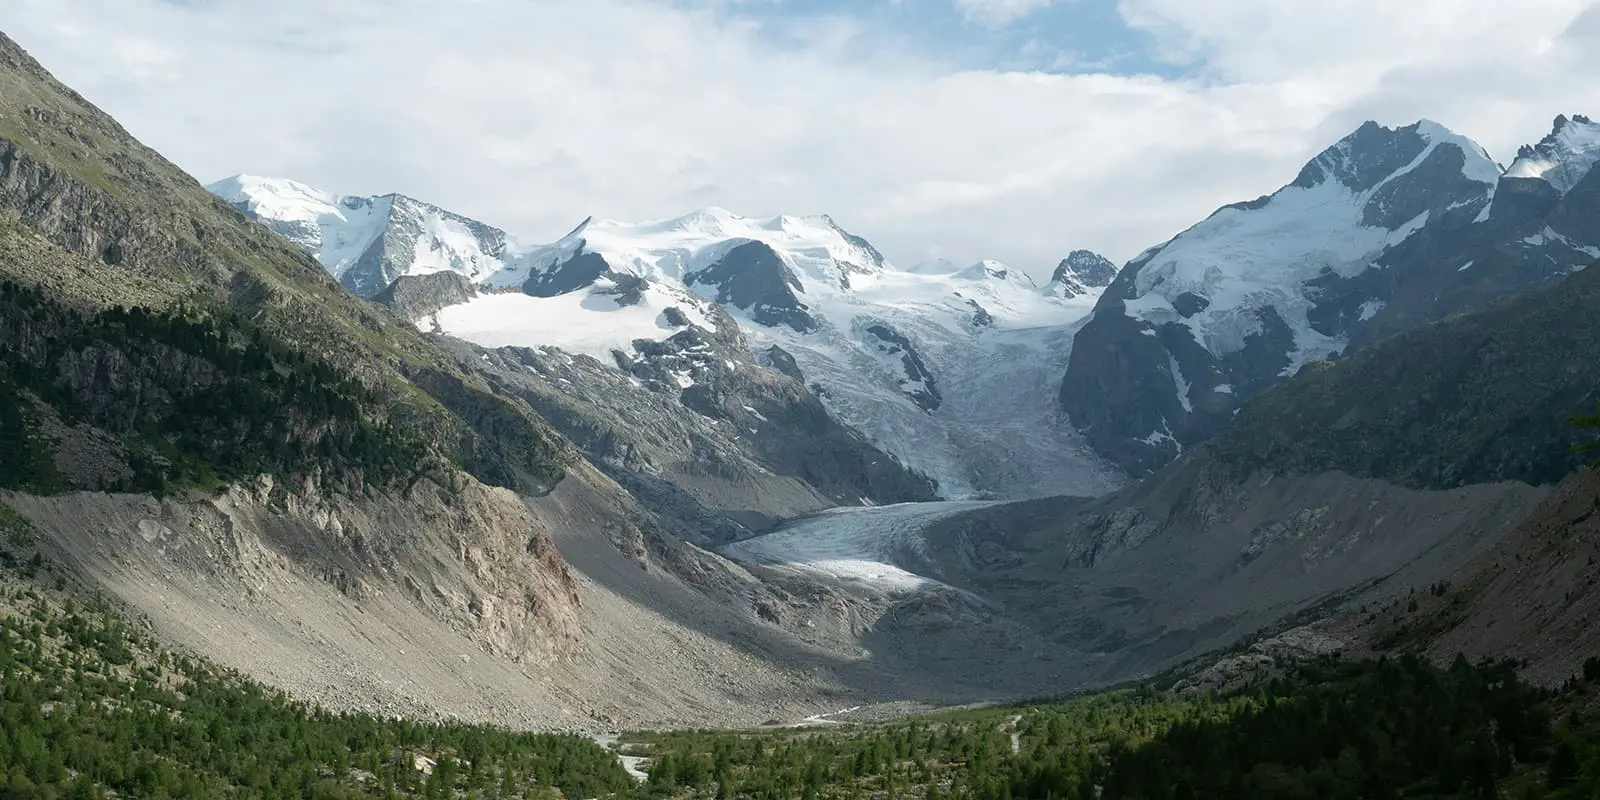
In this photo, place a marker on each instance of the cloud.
(998, 12)
(532, 116)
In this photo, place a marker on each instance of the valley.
(744, 503)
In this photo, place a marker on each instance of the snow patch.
(1181, 384)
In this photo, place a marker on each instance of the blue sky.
(1080, 36)
(929, 127)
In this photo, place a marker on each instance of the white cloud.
(998, 12)
(533, 115)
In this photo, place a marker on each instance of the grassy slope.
(1477, 398)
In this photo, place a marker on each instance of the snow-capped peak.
(277, 198)
(368, 242)
(1366, 193)
(1085, 267)
(989, 269)
(1563, 157)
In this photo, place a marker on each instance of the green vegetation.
(1386, 729)
(195, 397)
(15, 530)
(89, 706)
(126, 228)
(1588, 422)
(1478, 398)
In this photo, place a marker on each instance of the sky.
(964, 129)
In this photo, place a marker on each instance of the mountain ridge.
(1380, 232)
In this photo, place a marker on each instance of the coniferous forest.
(92, 707)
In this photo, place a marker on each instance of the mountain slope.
(1412, 460)
(1477, 398)
(946, 369)
(236, 400)
(1532, 597)
(1386, 230)
(73, 180)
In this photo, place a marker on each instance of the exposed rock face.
(575, 273)
(919, 383)
(754, 278)
(416, 296)
(388, 256)
(1081, 272)
(718, 444)
(1383, 232)
(472, 556)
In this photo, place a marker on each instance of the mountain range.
(926, 363)
(688, 472)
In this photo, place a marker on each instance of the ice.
(1181, 384)
(879, 549)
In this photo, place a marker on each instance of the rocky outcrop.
(420, 296)
(581, 270)
(919, 383)
(1263, 660)
(752, 277)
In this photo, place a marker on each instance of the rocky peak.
(1563, 157)
(1373, 155)
(1081, 271)
(1363, 158)
(368, 241)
